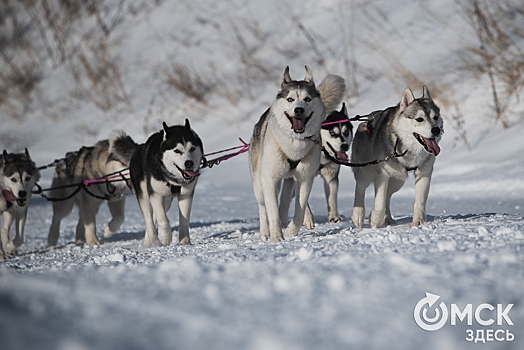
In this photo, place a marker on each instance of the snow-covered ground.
(334, 287)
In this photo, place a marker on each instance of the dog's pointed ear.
(27, 154)
(7, 158)
(406, 99)
(187, 125)
(166, 129)
(286, 78)
(344, 110)
(309, 76)
(425, 93)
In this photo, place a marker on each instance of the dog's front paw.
(334, 218)
(10, 249)
(389, 220)
(107, 232)
(165, 241)
(309, 219)
(184, 241)
(417, 222)
(277, 238)
(291, 230)
(309, 222)
(18, 241)
(93, 241)
(418, 219)
(358, 216)
(377, 219)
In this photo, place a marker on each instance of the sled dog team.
(284, 157)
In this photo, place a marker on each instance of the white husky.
(336, 133)
(417, 126)
(286, 144)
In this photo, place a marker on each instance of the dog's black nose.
(299, 111)
(435, 131)
(189, 164)
(22, 194)
(344, 147)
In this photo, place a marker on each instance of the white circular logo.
(430, 323)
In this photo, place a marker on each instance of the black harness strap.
(104, 198)
(357, 165)
(78, 188)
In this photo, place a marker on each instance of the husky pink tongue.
(433, 147)
(9, 196)
(298, 125)
(343, 157)
(189, 173)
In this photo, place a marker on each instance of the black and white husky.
(167, 166)
(18, 175)
(286, 144)
(88, 163)
(418, 127)
(336, 133)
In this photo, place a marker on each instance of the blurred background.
(72, 71)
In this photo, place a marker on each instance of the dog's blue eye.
(289, 99)
(192, 149)
(420, 120)
(307, 99)
(332, 133)
(13, 179)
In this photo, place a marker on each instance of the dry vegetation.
(39, 37)
(499, 51)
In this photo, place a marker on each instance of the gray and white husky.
(286, 144)
(167, 166)
(18, 175)
(337, 134)
(88, 163)
(418, 127)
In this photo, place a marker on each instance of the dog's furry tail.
(121, 147)
(332, 90)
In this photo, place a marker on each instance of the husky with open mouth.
(337, 134)
(414, 125)
(18, 175)
(286, 144)
(167, 166)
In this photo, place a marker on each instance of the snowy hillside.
(219, 63)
